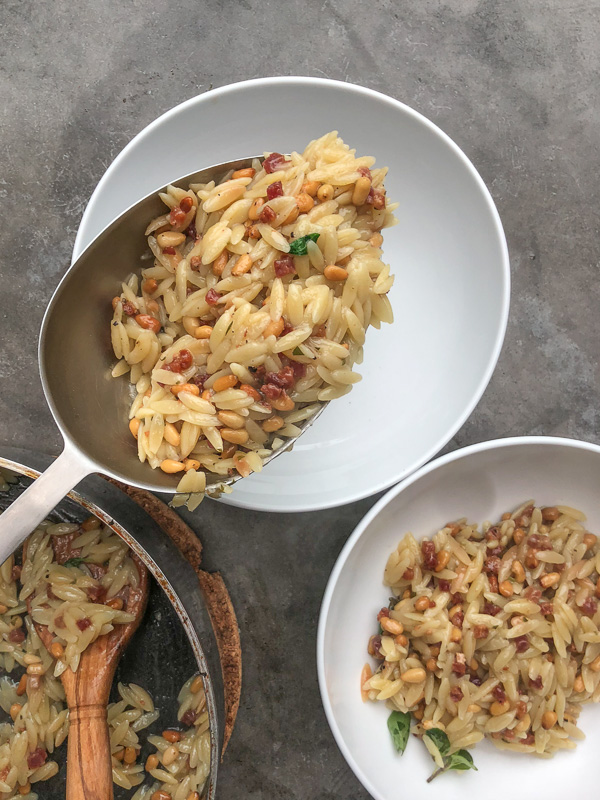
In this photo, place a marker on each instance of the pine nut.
(171, 434)
(130, 755)
(151, 762)
(30, 658)
(3, 608)
(203, 332)
(496, 709)
(551, 579)
(550, 513)
(524, 724)
(196, 685)
(134, 426)
(414, 675)
(149, 285)
(248, 172)
(443, 557)
(56, 650)
(455, 634)
(506, 589)
(190, 463)
(22, 687)
(170, 239)
(292, 216)
(283, 403)
(148, 322)
(231, 419)
(26, 788)
(304, 202)
(151, 306)
(273, 424)
(310, 188)
(333, 273)
(116, 603)
(171, 736)
(578, 684)
(362, 187)
(474, 708)
(169, 755)
(431, 664)
(392, 626)
(518, 535)
(90, 524)
(376, 240)
(193, 796)
(220, 262)
(274, 328)
(233, 436)
(242, 265)
(422, 604)
(518, 571)
(186, 387)
(36, 669)
(254, 211)
(589, 540)
(401, 640)
(549, 719)
(225, 382)
(14, 710)
(325, 192)
(170, 466)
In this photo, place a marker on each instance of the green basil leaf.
(399, 727)
(74, 562)
(461, 760)
(298, 246)
(439, 739)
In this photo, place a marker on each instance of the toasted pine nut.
(414, 675)
(149, 285)
(531, 561)
(56, 650)
(253, 232)
(595, 665)
(473, 665)
(3, 608)
(151, 306)
(203, 332)
(333, 273)
(116, 603)
(170, 466)
(36, 669)
(171, 433)
(148, 322)
(401, 640)
(551, 579)
(196, 684)
(114, 302)
(186, 387)
(365, 675)
(518, 535)
(254, 211)
(518, 571)
(443, 557)
(505, 588)
(193, 796)
(130, 755)
(248, 172)
(283, 403)
(422, 603)
(549, 719)
(236, 437)
(191, 463)
(14, 710)
(207, 394)
(455, 609)
(392, 626)
(524, 723)
(232, 419)
(474, 708)
(589, 540)
(272, 424)
(225, 382)
(292, 216)
(134, 426)
(376, 240)
(455, 634)
(498, 708)
(220, 262)
(151, 762)
(190, 324)
(170, 755)
(578, 684)
(242, 265)
(22, 687)
(245, 387)
(25, 789)
(431, 664)
(310, 187)
(304, 202)
(274, 328)
(171, 735)
(325, 192)
(550, 513)
(362, 187)
(31, 658)
(170, 239)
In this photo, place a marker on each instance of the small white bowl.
(480, 482)
(423, 375)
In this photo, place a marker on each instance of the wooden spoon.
(89, 763)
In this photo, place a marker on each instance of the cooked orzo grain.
(493, 632)
(254, 308)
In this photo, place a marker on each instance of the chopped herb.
(461, 761)
(439, 740)
(399, 727)
(298, 246)
(74, 562)
(297, 352)
(229, 327)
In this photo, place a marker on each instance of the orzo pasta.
(491, 632)
(254, 308)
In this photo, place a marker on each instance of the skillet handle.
(38, 500)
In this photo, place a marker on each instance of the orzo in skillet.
(491, 632)
(254, 308)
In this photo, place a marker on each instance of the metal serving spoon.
(89, 406)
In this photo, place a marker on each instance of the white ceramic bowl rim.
(357, 492)
(456, 455)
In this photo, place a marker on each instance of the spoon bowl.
(89, 406)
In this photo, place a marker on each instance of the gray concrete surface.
(516, 84)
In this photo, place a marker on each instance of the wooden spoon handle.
(89, 766)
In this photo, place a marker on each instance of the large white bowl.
(480, 482)
(423, 375)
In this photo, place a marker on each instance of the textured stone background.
(516, 84)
